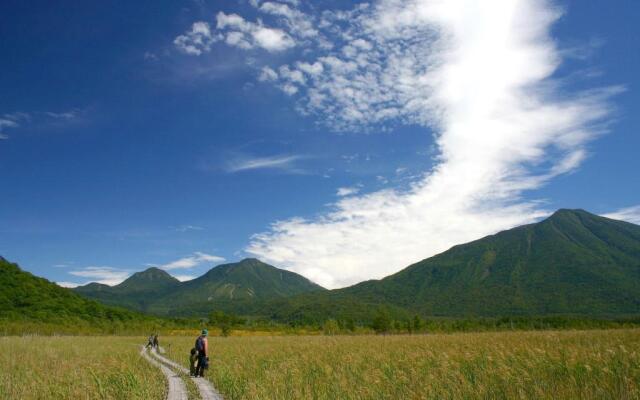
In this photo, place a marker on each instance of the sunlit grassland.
(107, 367)
(548, 365)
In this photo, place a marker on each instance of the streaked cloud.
(105, 275)
(347, 191)
(68, 284)
(192, 261)
(279, 162)
(187, 228)
(629, 214)
(184, 278)
(20, 119)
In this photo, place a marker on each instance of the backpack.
(200, 344)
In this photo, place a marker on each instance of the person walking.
(156, 344)
(150, 342)
(202, 347)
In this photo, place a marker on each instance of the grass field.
(546, 365)
(76, 368)
(551, 365)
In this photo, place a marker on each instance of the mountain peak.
(150, 279)
(152, 273)
(570, 211)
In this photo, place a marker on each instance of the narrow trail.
(206, 389)
(177, 388)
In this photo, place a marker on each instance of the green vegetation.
(29, 304)
(527, 365)
(573, 270)
(77, 368)
(229, 287)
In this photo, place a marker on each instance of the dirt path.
(177, 388)
(206, 389)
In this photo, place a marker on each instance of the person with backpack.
(202, 347)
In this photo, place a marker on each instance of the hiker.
(150, 342)
(193, 362)
(202, 347)
(155, 341)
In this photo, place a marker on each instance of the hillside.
(230, 287)
(573, 263)
(136, 292)
(25, 297)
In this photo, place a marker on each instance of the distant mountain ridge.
(572, 263)
(155, 291)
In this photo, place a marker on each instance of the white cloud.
(19, 119)
(481, 78)
(347, 191)
(629, 214)
(247, 35)
(267, 74)
(198, 258)
(186, 228)
(67, 115)
(184, 278)
(196, 41)
(280, 162)
(68, 284)
(236, 31)
(105, 275)
(6, 123)
(298, 23)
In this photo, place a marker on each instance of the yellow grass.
(513, 365)
(76, 368)
(506, 365)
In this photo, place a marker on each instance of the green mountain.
(136, 292)
(228, 287)
(28, 298)
(573, 263)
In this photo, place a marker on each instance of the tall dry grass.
(107, 367)
(506, 365)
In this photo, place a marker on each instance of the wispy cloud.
(106, 275)
(482, 78)
(184, 278)
(629, 214)
(192, 261)
(11, 121)
(278, 162)
(68, 284)
(112, 276)
(347, 191)
(187, 228)
(20, 119)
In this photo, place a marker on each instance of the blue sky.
(339, 141)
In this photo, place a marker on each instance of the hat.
(205, 332)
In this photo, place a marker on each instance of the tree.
(382, 321)
(418, 323)
(330, 327)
